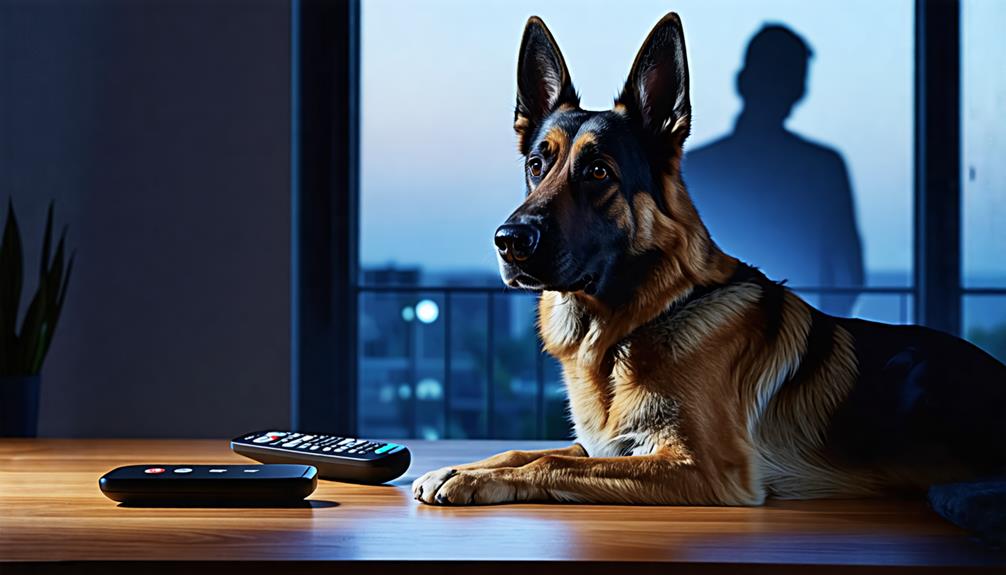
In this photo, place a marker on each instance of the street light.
(427, 311)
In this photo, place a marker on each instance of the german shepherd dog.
(692, 378)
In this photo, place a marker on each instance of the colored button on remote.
(387, 447)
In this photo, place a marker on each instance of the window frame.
(324, 184)
(325, 104)
(938, 183)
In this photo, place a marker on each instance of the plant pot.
(19, 405)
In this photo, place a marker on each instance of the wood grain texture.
(51, 511)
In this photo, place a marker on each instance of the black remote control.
(337, 458)
(201, 484)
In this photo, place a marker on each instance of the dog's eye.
(598, 171)
(534, 166)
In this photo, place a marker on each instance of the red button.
(154, 470)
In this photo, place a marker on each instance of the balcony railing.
(424, 373)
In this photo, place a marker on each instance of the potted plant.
(23, 350)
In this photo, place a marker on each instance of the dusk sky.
(984, 144)
(439, 164)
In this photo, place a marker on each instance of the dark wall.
(161, 130)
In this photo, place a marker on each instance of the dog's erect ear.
(543, 82)
(656, 93)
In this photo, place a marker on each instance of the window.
(983, 142)
(443, 351)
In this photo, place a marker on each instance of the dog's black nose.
(516, 242)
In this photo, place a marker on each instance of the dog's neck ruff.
(743, 273)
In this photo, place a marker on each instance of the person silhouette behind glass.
(771, 197)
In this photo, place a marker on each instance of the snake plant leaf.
(46, 243)
(23, 350)
(54, 276)
(35, 358)
(11, 270)
(36, 335)
(66, 283)
(32, 329)
(37, 347)
(54, 320)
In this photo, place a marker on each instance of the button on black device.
(205, 484)
(337, 458)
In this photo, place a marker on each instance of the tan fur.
(521, 125)
(550, 187)
(697, 406)
(682, 410)
(585, 139)
(557, 141)
(732, 437)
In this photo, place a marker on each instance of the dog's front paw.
(463, 487)
(425, 488)
(475, 487)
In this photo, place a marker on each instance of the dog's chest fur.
(629, 421)
(605, 404)
(700, 382)
(626, 391)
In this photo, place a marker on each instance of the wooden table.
(54, 518)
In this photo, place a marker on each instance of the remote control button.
(263, 439)
(291, 443)
(314, 448)
(251, 470)
(307, 438)
(154, 470)
(397, 449)
(347, 441)
(184, 470)
(218, 471)
(387, 447)
(327, 449)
